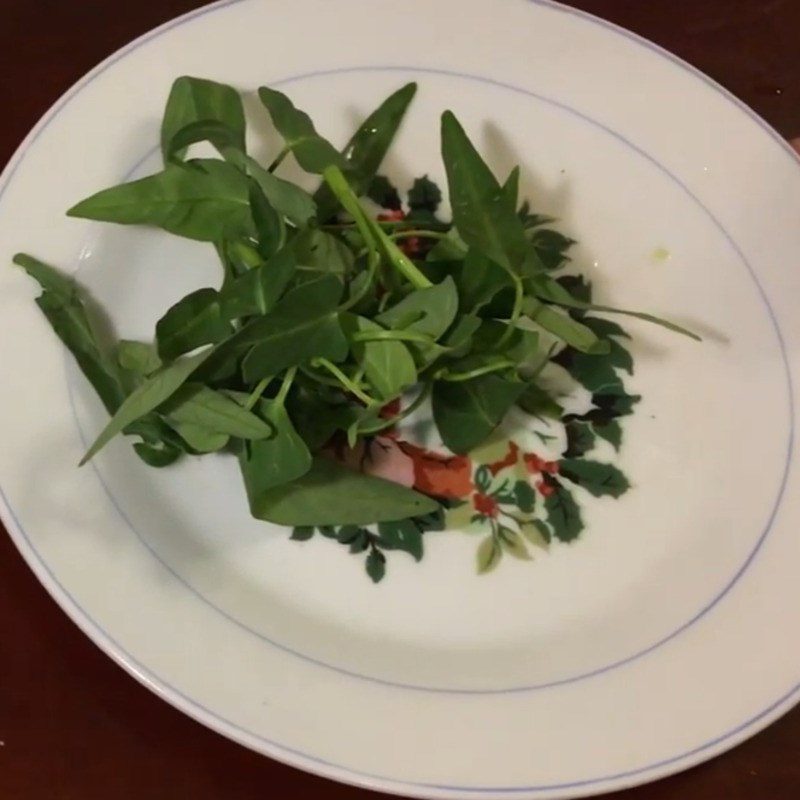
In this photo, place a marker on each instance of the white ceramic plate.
(669, 633)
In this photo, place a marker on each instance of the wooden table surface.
(73, 726)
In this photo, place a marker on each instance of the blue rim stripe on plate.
(140, 672)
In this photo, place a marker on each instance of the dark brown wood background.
(73, 726)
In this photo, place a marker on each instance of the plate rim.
(275, 750)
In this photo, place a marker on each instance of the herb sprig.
(326, 314)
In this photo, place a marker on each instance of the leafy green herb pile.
(327, 312)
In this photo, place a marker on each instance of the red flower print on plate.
(535, 464)
(439, 475)
(485, 505)
(508, 460)
(545, 488)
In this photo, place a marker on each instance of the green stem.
(288, 379)
(278, 159)
(324, 379)
(410, 409)
(257, 392)
(344, 380)
(418, 233)
(373, 234)
(516, 311)
(343, 226)
(455, 377)
(383, 302)
(358, 375)
(388, 224)
(531, 376)
(404, 265)
(338, 184)
(373, 260)
(393, 336)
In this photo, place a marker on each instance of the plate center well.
(704, 473)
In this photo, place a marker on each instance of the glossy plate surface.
(667, 634)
